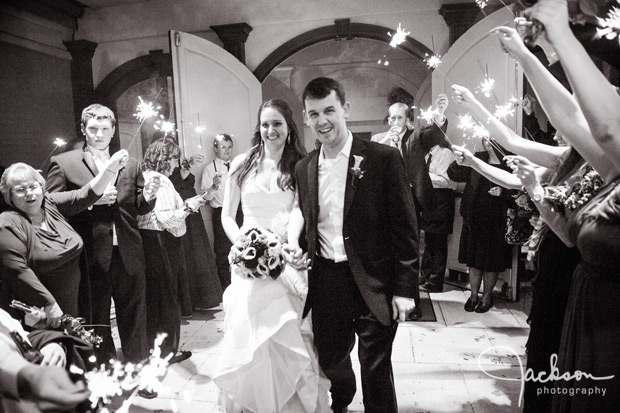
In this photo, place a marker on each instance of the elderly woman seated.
(39, 250)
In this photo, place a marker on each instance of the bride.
(268, 362)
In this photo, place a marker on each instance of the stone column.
(82, 52)
(234, 36)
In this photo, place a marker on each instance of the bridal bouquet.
(257, 254)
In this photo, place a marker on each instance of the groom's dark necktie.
(227, 165)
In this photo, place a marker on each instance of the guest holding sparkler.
(114, 257)
(202, 289)
(39, 250)
(482, 247)
(160, 230)
(429, 159)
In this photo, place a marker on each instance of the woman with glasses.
(39, 250)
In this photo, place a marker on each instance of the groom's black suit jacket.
(379, 228)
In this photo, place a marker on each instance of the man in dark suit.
(361, 236)
(112, 243)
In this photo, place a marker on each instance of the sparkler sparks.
(398, 37)
(610, 25)
(428, 114)
(59, 143)
(432, 61)
(145, 110)
(481, 3)
(164, 126)
(106, 383)
(486, 87)
(466, 122)
(505, 110)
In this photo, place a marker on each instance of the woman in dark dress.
(39, 250)
(201, 289)
(482, 247)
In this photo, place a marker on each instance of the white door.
(213, 93)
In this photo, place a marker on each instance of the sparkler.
(106, 383)
(58, 142)
(398, 37)
(505, 110)
(428, 114)
(165, 126)
(144, 111)
(486, 87)
(432, 61)
(610, 25)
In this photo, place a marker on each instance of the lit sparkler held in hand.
(59, 143)
(432, 61)
(398, 37)
(428, 114)
(505, 110)
(145, 110)
(165, 126)
(609, 27)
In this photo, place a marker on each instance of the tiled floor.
(463, 362)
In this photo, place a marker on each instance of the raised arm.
(540, 153)
(496, 175)
(564, 111)
(232, 199)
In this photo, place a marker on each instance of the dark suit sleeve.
(16, 273)
(56, 179)
(404, 228)
(458, 173)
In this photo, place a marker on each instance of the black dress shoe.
(428, 287)
(482, 308)
(147, 394)
(470, 305)
(339, 409)
(182, 355)
(415, 314)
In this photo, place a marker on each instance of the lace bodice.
(266, 207)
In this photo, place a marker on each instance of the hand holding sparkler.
(523, 168)
(549, 18)
(463, 156)
(50, 388)
(462, 96)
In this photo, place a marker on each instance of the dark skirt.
(163, 253)
(484, 249)
(203, 288)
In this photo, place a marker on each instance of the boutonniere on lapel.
(356, 172)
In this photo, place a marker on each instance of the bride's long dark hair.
(293, 149)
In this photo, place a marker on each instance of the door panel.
(213, 90)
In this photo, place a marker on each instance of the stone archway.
(342, 29)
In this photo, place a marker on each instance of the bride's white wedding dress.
(268, 362)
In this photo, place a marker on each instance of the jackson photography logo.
(545, 377)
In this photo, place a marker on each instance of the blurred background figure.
(213, 183)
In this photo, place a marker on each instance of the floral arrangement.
(72, 326)
(257, 254)
(575, 192)
(356, 171)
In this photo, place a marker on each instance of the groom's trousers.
(338, 314)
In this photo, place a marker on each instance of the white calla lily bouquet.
(257, 254)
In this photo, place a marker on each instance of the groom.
(361, 236)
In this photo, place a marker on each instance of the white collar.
(345, 151)
(102, 155)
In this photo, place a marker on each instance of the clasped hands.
(295, 257)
